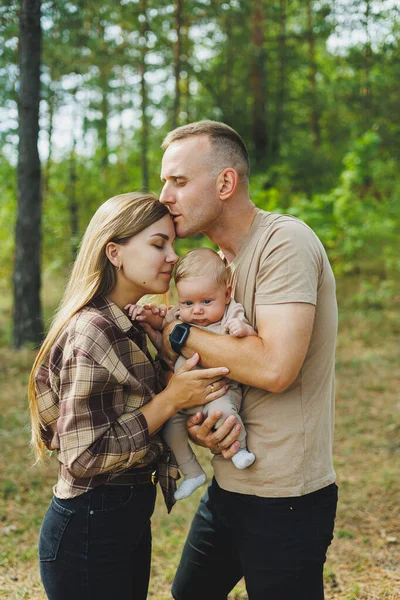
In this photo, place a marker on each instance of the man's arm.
(271, 360)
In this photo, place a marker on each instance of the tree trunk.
(103, 123)
(312, 78)
(258, 84)
(104, 84)
(143, 89)
(72, 193)
(47, 168)
(280, 94)
(177, 63)
(28, 323)
(365, 75)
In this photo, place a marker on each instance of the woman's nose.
(172, 258)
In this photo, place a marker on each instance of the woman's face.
(147, 260)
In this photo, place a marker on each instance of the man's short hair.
(203, 262)
(229, 150)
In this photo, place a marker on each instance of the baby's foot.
(188, 486)
(243, 459)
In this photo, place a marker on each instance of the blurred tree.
(28, 324)
(258, 83)
(144, 99)
(305, 83)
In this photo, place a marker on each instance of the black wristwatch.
(178, 336)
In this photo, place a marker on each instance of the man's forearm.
(247, 359)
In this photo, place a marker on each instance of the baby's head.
(202, 283)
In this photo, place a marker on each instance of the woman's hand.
(220, 441)
(190, 388)
(187, 388)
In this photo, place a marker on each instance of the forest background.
(312, 87)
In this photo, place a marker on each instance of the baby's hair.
(202, 262)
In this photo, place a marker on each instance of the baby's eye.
(188, 303)
(207, 301)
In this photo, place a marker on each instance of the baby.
(204, 300)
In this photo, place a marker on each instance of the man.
(273, 522)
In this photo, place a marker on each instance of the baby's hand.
(152, 315)
(236, 327)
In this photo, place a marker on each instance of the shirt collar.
(114, 312)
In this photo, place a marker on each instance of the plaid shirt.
(90, 390)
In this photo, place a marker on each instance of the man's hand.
(220, 441)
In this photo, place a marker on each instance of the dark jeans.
(278, 544)
(97, 546)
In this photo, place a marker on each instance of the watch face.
(178, 336)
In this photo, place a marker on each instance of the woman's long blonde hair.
(92, 275)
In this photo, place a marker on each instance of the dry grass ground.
(364, 559)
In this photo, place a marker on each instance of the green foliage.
(7, 219)
(331, 115)
(357, 221)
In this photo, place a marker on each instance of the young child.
(204, 300)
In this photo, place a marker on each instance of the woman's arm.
(100, 430)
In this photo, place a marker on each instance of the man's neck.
(231, 235)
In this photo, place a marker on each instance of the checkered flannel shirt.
(90, 390)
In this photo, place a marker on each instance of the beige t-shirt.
(291, 433)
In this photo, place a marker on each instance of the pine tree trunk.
(366, 71)
(259, 84)
(312, 78)
(281, 89)
(48, 164)
(28, 324)
(144, 141)
(73, 199)
(177, 63)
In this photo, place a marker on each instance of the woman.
(95, 400)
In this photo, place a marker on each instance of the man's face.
(190, 188)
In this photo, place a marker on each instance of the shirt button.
(92, 512)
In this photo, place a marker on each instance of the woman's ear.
(227, 183)
(112, 253)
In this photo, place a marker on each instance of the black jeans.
(278, 544)
(97, 546)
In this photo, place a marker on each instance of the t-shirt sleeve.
(236, 311)
(290, 266)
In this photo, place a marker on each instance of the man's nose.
(166, 197)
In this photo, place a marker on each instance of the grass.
(364, 559)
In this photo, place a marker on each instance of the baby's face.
(202, 301)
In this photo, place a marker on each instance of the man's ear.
(227, 183)
(228, 294)
(112, 253)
